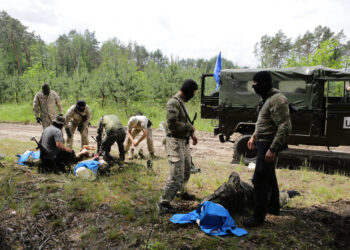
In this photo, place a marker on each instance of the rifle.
(194, 118)
(188, 117)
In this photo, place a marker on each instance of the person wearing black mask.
(45, 105)
(270, 136)
(179, 131)
(78, 116)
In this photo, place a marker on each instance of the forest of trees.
(320, 47)
(78, 66)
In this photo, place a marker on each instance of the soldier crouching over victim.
(179, 132)
(78, 116)
(52, 142)
(114, 132)
(136, 124)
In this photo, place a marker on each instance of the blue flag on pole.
(217, 70)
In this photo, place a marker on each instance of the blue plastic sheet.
(92, 165)
(213, 219)
(26, 156)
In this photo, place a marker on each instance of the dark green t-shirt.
(110, 122)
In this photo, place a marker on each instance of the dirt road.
(208, 146)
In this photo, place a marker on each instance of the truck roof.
(285, 74)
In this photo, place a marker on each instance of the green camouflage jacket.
(109, 123)
(178, 124)
(273, 122)
(46, 105)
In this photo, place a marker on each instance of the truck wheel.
(242, 152)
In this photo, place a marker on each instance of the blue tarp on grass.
(28, 154)
(212, 218)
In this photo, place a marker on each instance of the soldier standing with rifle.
(78, 116)
(179, 132)
(45, 105)
(114, 132)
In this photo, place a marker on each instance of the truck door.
(337, 123)
(209, 97)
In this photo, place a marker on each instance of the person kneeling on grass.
(52, 141)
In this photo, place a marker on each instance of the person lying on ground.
(236, 196)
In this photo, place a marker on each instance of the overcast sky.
(183, 28)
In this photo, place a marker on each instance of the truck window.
(210, 86)
(295, 91)
(336, 88)
(238, 94)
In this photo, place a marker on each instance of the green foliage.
(320, 47)
(328, 55)
(77, 68)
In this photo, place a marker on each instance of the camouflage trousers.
(46, 121)
(135, 133)
(84, 135)
(118, 136)
(179, 159)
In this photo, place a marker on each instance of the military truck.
(318, 98)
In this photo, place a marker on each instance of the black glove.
(60, 115)
(69, 134)
(38, 120)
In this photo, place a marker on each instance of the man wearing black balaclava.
(179, 132)
(45, 105)
(78, 117)
(270, 136)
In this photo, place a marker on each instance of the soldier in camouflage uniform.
(179, 132)
(45, 105)
(78, 116)
(270, 136)
(236, 195)
(139, 123)
(114, 132)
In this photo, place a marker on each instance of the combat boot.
(252, 222)
(164, 208)
(131, 154)
(187, 197)
(140, 154)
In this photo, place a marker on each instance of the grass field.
(24, 113)
(118, 210)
